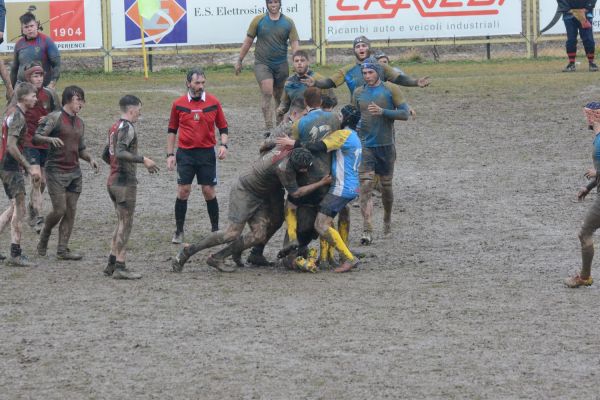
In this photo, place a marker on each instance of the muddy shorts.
(61, 182)
(244, 205)
(35, 156)
(196, 163)
(123, 196)
(332, 205)
(279, 73)
(14, 183)
(380, 160)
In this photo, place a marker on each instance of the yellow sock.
(344, 230)
(292, 224)
(339, 243)
(324, 250)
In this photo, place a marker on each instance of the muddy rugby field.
(464, 301)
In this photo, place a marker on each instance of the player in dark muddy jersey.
(591, 222)
(295, 87)
(121, 153)
(300, 213)
(380, 104)
(12, 161)
(249, 202)
(64, 131)
(35, 46)
(272, 31)
(346, 148)
(351, 74)
(276, 215)
(47, 102)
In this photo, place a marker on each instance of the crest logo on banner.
(167, 26)
(350, 10)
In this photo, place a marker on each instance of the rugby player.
(64, 131)
(14, 130)
(272, 31)
(121, 153)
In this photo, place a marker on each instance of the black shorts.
(35, 156)
(199, 163)
(61, 182)
(380, 160)
(332, 205)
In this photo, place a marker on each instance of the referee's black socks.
(213, 213)
(180, 211)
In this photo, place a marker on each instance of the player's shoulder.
(287, 19)
(15, 117)
(258, 19)
(392, 87)
(211, 98)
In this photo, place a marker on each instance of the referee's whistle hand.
(222, 152)
(171, 163)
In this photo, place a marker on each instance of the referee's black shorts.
(199, 163)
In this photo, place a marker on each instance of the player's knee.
(183, 192)
(208, 192)
(585, 238)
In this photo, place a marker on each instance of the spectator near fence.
(578, 16)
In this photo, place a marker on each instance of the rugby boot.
(19, 261)
(177, 238)
(2, 257)
(110, 268)
(237, 259)
(219, 264)
(67, 255)
(347, 266)
(288, 249)
(593, 67)
(569, 68)
(366, 238)
(42, 246)
(258, 260)
(121, 272)
(577, 281)
(180, 260)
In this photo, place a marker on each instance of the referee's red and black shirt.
(195, 120)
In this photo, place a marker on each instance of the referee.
(194, 117)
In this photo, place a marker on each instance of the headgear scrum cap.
(361, 39)
(592, 112)
(371, 63)
(34, 68)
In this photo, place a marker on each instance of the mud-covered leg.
(366, 206)
(387, 198)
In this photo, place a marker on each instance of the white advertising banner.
(71, 24)
(547, 13)
(420, 19)
(198, 22)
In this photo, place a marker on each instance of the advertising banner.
(555, 25)
(420, 19)
(71, 24)
(189, 22)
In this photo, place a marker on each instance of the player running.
(380, 104)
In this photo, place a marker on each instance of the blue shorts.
(35, 156)
(332, 205)
(198, 163)
(380, 160)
